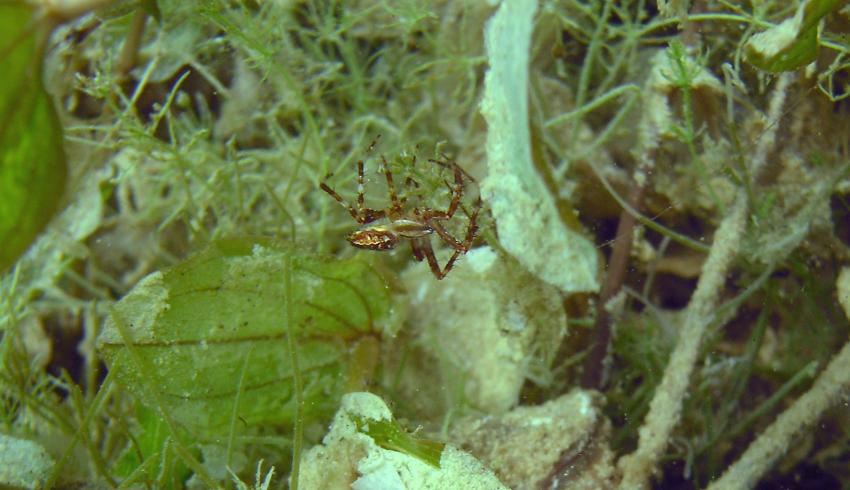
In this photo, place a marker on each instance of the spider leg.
(417, 252)
(425, 249)
(367, 215)
(457, 189)
(450, 263)
(408, 184)
(453, 242)
(397, 205)
(458, 193)
(361, 187)
(466, 211)
(428, 252)
(445, 235)
(353, 212)
(446, 162)
(473, 224)
(361, 213)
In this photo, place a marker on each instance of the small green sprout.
(388, 434)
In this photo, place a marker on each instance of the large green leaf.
(32, 161)
(207, 338)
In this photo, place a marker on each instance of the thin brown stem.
(129, 54)
(594, 375)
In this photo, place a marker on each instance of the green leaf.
(212, 331)
(32, 160)
(794, 42)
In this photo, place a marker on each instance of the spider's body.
(416, 224)
(378, 237)
(386, 236)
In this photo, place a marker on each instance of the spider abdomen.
(386, 236)
(373, 238)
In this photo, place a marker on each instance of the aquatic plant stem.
(774, 441)
(666, 406)
(830, 387)
(297, 382)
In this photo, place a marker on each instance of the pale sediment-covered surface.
(348, 458)
(562, 443)
(480, 334)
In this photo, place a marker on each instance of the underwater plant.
(651, 290)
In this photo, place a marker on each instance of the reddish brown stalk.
(595, 371)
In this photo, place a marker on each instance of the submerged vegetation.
(662, 253)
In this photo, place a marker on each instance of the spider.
(416, 224)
